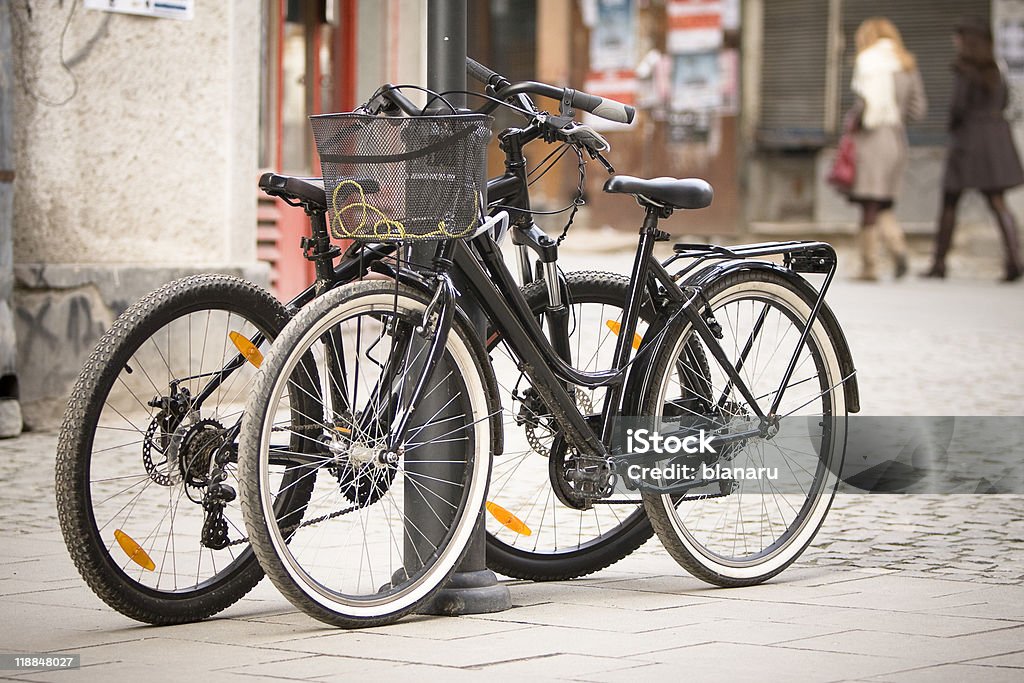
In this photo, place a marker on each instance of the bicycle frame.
(546, 357)
(480, 265)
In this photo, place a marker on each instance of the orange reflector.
(508, 520)
(614, 326)
(133, 550)
(343, 430)
(246, 348)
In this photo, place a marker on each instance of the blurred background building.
(137, 140)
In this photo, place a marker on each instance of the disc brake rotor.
(160, 437)
(536, 442)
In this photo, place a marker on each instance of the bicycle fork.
(433, 331)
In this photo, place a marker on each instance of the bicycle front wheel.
(733, 531)
(387, 523)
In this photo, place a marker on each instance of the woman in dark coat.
(981, 152)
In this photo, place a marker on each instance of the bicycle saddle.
(675, 193)
(307, 190)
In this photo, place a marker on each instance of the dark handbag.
(844, 166)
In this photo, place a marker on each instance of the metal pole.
(473, 589)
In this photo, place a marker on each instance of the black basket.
(429, 174)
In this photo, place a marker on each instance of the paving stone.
(1013, 659)
(403, 673)
(305, 668)
(914, 623)
(919, 648)
(741, 663)
(952, 673)
(377, 647)
(559, 667)
(597, 618)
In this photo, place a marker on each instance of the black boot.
(943, 241)
(1011, 244)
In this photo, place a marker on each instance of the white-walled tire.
(747, 534)
(364, 552)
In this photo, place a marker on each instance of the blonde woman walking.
(889, 92)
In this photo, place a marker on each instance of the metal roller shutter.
(793, 73)
(927, 29)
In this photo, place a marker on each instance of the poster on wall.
(689, 127)
(1008, 32)
(613, 56)
(729, 77)
(696, 81)
(694, 25)
(730, 15)
(168, 9)
(613, 36)
(696, 95)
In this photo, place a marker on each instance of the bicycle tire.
(318, 578)
(691, 547)
(125, 358)
(579, 556)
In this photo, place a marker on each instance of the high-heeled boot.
(868, 240)
(943, 241)
(894, 240)
(1011, 245)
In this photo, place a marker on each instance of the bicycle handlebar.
(481, 73)
(598, 106)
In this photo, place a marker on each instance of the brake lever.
(604, 162)
(589, 139)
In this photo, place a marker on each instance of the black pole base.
(476, 592)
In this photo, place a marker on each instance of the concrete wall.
(136, 167)
(10, 409)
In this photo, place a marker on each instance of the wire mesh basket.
(429, 173)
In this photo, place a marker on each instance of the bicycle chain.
(309, 522)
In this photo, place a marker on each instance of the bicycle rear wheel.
(536, 528)
(385, 526)
(137, 448)
(737, 532)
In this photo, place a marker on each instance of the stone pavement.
(896, 588)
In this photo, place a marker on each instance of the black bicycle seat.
(675, 193)
(307, 190)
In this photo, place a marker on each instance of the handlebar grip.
(600, 106)
(480, 72)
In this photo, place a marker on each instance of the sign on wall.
(163, 9)
(1008, 21)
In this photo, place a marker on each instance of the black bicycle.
(381, 404)
(146, 478)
